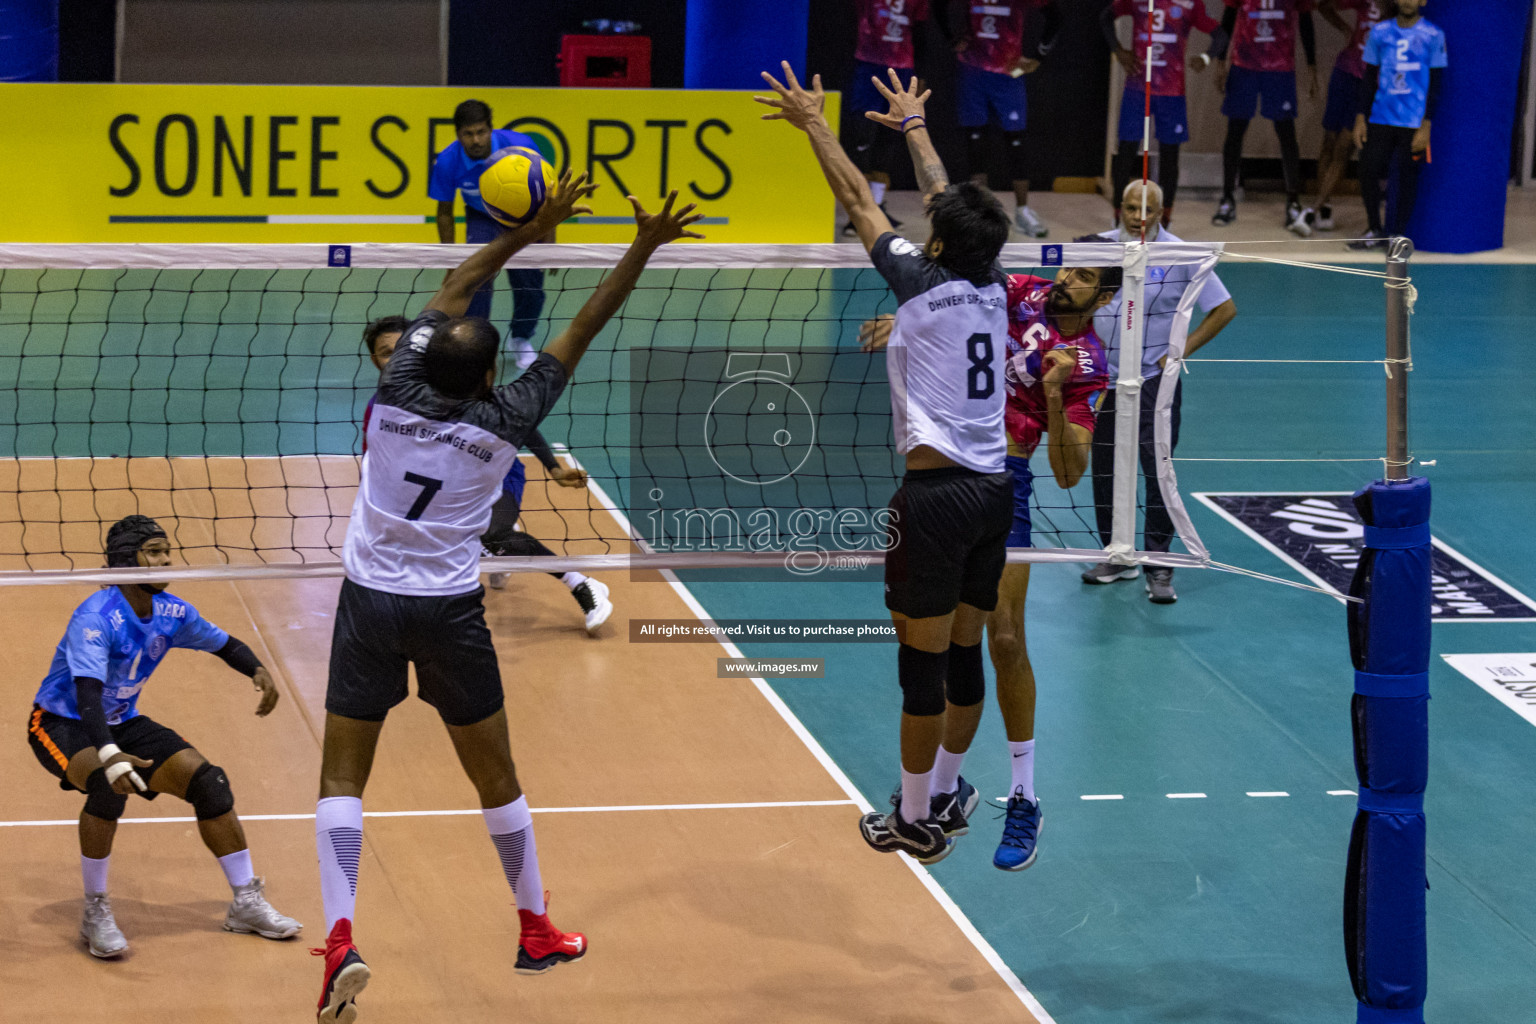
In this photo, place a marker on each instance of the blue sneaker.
(1021, 830)
(953, 810)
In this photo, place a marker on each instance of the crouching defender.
(87, 731)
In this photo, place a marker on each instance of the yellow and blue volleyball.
(514, 184)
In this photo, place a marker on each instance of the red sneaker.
(345, 976)
(542, 945)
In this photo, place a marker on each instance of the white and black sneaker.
(1160, 585)
(891, 833)
(1324, 220)
(1226, 212)
(592, 595)
(1299, 221)
(1109, 572)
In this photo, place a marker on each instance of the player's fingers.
(924, 97)
(666, 208)
(880, 86)
(816, 84)
(690, 234)
(691, 220)
(877, 118)
(581, 209)
(639, 210)
(767, 101)
(685, 211)
(789, 75)
(777, 87)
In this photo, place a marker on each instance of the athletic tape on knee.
(209, 793)
(101, 800)
(922, 680)
(966, 682)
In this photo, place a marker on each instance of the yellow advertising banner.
(230, 163)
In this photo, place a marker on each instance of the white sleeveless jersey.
(946, 357)
(432, 470)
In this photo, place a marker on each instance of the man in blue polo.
(458, 169)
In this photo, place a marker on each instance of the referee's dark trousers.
(1158, 530)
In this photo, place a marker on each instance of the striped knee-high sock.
(339, 842)
(511, 828)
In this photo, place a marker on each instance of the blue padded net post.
(1384, 891)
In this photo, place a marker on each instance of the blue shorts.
(1343, 92)
(1023, 486)
(1170, 117)
(984, 94)
(862, 94)
(1275, 90)
(515, 480)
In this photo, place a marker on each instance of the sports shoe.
(250, 912)
(1226, 212)
(99, 928)
(1021, 833)
(953, 810)
(592, 595)
(1109, 572)
(541, 945)
(888, 833)
(1160, 585)
(522, 352)
(497, 580)
(1324, 220)
(1370, 240)
(345, 976)
(1298, 221)
(1029, 224)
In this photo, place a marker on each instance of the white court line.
(1102, 796)
(472, 811)
(1342, 792)
(990, 955)
(1186, 796)
(1276, 793)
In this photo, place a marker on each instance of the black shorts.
(949, 541)
(378, 635)
(55, 739)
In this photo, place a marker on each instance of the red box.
(611, 62)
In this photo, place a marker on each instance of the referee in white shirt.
(1165, 290)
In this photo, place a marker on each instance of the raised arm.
(802, 109)
(445, 229)
(464, 280)
(1067, 442)
(653, 231)
(906, 115)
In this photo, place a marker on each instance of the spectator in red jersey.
(1262, 73)
(886, 30)
(1343, 87)
(991, 90)
(1161, 34)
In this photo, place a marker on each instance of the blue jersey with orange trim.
(107, 641)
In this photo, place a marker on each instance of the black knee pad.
(966, 682)
(922, 680)
(209, 793)
(101, 800)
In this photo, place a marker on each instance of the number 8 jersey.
(433, 469)
(946, 357)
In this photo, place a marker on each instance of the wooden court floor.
(694, 912)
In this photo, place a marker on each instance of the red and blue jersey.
(1031, 334)
(1164, 33)
(106, 640)
(1367, 13)
(994, 38)
(885, 31)
(1265, 37)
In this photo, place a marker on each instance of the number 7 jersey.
(433, 468)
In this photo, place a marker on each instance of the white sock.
(946, 771)
(877, 190)
(237, 868)
(914, 795)
(573, 579)
(339, 842)
(94, 873)
(1023, 768)
(511, 828)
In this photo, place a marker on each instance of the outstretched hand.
(875, 335)
(562, 201)
(268, 690)
(793, 103)
(1057, 365)
(905, 100)
(568, 476)
(656, 230)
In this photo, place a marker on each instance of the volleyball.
(514, 184)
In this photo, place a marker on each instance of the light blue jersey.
(455, 171)
(1405, 56)
(107, 641)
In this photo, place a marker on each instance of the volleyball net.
(728, 417)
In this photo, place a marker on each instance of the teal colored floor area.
(1228, 909)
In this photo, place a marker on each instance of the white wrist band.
(117, 771)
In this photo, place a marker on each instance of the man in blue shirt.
(1404, 60)
(86, 730)
(458, 169)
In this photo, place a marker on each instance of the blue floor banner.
(1319, 534)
